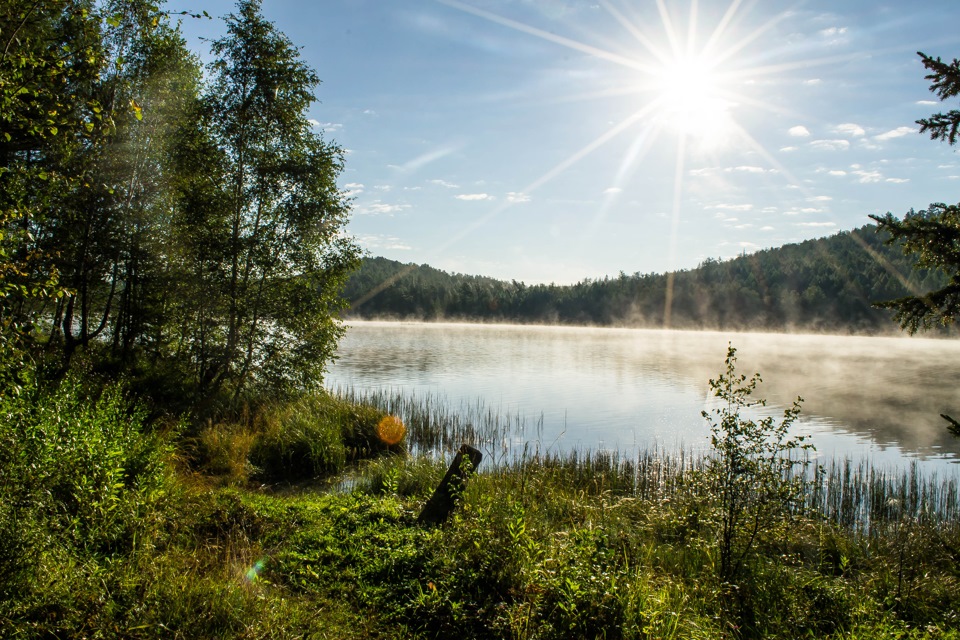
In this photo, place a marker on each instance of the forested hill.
(825, 284)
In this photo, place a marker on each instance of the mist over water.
(631, 389)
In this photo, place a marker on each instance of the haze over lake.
(634, 389)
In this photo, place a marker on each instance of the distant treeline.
(825, 284)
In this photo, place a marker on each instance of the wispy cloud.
(837, 172)
(746, 169)
(516, 197)
(868, 177)
(378, 208)
(383, 242)
(732, 207)
(831, 145)
(444, 183)
(799, 131)
(850, 129)
(424, 159)
(814, 225)
(788, 149)
(899, 132)
(897, 180)
(928, 103)
(353, 189)
(834, 35)
(609, 191)
(474, 196)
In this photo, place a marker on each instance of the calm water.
(629, 389)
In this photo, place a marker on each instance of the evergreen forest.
(828, 284)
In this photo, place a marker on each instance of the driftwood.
(445, 498)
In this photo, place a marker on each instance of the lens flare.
(391, 430)
(254, 572)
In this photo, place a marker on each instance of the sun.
(692, 101)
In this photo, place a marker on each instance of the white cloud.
(444, 183)
(702, 172)
(766, 228)
(812, 82)
(377, 208)
(899, 132)
(850, 129)
(833, 32)
(788, 149)
(517, 197)
(928, 103)
(369, 112)
(897, 180)
(810, 210)
(747, 169)
(821, 199)
(816, 224)
(474, 196)
(383, 242)
(733, 207)
(799, 131)
(352, 189)
(383, 187)
(610, 191)
(313, 123)
(868, 177)
(831, 145)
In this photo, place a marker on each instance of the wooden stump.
(445, 498)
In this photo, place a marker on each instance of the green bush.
(81, 481)
(316, 435)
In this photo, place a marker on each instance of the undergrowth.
(111, 527)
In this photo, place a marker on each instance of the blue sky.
(556, 140)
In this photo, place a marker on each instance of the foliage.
(824, 284)
(315, 435)
(51, 49)
(78, 475)
(932, 234)
(261, 222)
(751, 471)
(592, 545)
(185, 231)
(945, 82)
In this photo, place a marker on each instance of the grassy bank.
(296, 520)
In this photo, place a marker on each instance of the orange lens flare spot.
(391, 430)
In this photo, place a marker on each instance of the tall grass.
(855, 494)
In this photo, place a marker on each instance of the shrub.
(751, 472)
(316, 435)
(80, 477)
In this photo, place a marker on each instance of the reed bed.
(852, 493)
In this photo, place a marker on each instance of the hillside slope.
(825, 284)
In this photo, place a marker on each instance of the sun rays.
(687, 79)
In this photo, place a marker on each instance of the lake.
(629, 389)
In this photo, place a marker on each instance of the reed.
(852, 493)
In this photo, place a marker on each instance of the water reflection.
(635, 388)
